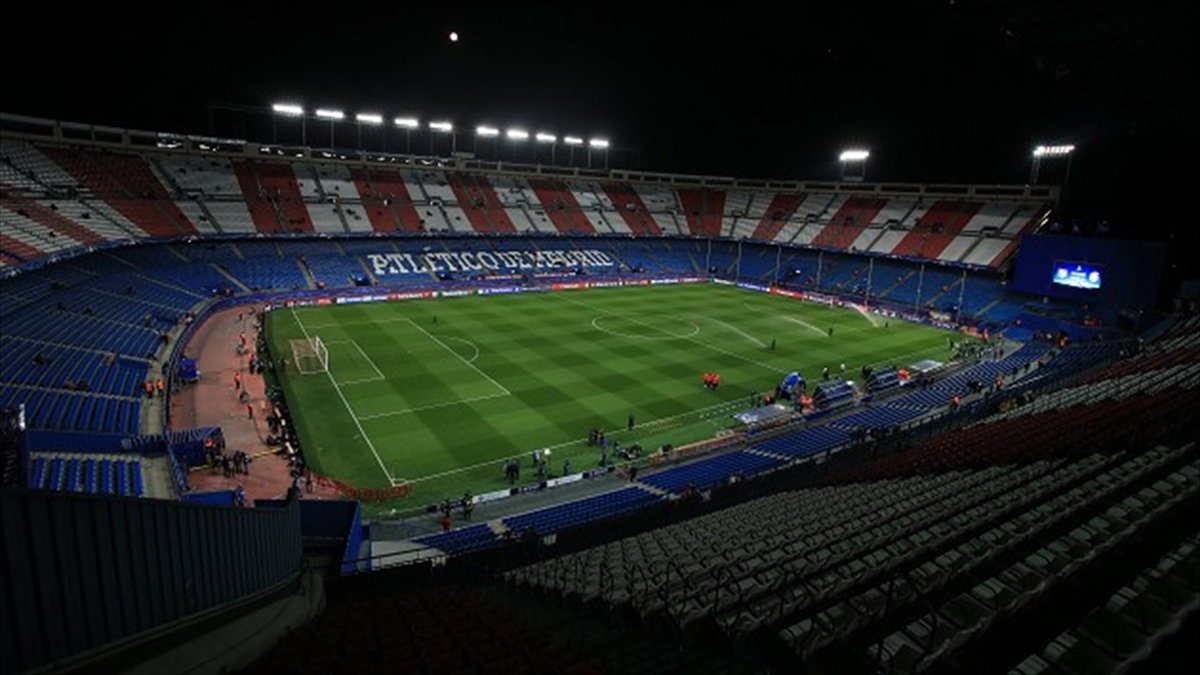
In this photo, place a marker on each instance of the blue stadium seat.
(84, 421)
(56, 474)
(106, 477)
(72, 475)
(69, 421)
(135, 472)
(119, 482)
(807, 442)
(39, 473)
(89, 476)
(712, 471)
(572, 514)
(461, 540)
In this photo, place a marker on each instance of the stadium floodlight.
(369, 118)
(543, 137)
(288, 109)
(487, 132)
(516, 135)
(854, 156)
(572, 140)
(328, 114)
(1053, 150)
(444, 127)
(407, 122)
(599, 143)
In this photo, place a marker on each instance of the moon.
(453, 36)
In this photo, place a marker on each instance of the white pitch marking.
(466, 342)
(339, 324)
(641, 425)
(666, 334)
(362, 381)
(692, 340)
(460, 401)
(350, 410)
(469, 364)
(379, 376)
(787, 318)
(737, 330)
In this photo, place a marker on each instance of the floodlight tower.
(485, 131)
(443, 127)
(854, 159)
(289, 110)
(1050, 151)
(516, 135)
(333, 116)
(365, 118)
(408, 124)
(543, 137)
(571, 142)
(598, 144)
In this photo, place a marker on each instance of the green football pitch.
(439, 393)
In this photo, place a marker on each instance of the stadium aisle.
(213, 402)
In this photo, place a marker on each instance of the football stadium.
(494, 376)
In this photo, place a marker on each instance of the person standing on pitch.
(468, 505)
(631, 421)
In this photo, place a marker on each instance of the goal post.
(310, 355)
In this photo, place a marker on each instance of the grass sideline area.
(440, 392)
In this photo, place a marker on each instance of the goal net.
(310, 355)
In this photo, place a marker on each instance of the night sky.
(939, 91)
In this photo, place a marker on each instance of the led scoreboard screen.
(1095, 270)
(1078, 275)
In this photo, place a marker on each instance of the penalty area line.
(470, 365)
(379, 376)
(405, 411)
(338, 389)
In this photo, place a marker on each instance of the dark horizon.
(956, 92)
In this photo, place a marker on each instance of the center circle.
(645, 327)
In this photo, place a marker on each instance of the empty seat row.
(96, 476)
(1128, 623)
(75, 412)
(943, 630)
